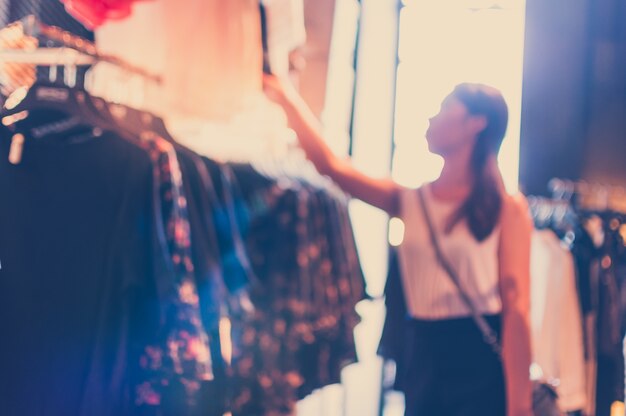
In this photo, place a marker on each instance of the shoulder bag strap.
(487, 331)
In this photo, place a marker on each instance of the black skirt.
(451, 371)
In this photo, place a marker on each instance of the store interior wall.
(606, 134)
(574, 93)
(207, 51)
(216, 45)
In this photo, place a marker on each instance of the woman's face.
(453, 128)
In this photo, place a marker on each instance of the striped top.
(429, 292)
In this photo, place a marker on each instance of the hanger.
(49, 107)
(62, 98)
(133, 120)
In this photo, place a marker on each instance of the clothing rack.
(563, 217)
(546, 209)
(590, 196)
(590, 223)
(73, 50)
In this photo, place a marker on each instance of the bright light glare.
(444, 43)
(340, 79)
(396, 231)
(373, 123)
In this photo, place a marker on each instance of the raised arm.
(381, 193)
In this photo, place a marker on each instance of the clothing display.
(171, 358)
(170, 244)
(556, 321)
(303, 253)
(608, 278)
(578, 269)
(80, 280)
(191, 262)
(141, 278)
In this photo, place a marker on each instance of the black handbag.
(544, 396)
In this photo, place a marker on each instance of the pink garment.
(93, 13)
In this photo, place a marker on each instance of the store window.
(443, 43)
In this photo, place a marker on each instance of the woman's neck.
(456, 178)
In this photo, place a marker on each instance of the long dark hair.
(482, 207)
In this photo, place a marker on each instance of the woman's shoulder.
(515, 202)
(515, 212)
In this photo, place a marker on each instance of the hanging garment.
(309, 281)
(164, 370)
(205, 250)
(80, 276)
(186, 341)
(212, 397)
(556, 321)
(584, 252)
(392, 345)
(229, 218)
(610, 351)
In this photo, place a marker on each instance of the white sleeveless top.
(428, 290)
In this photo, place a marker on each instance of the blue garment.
(228, 219)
